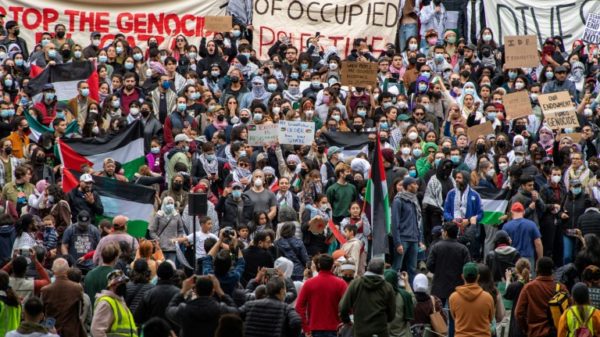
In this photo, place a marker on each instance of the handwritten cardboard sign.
(480, 130)
(259, 135)
(592, 29)
(296, 133)
(359, 74)
(521, 51)
(517, 105)
(558, 109)
(217, 23)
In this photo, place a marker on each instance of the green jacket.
(373, 302)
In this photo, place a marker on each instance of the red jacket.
(318, 302)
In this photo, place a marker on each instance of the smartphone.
(571, 232)
(49, 323)
(271, 272)
(24, 252)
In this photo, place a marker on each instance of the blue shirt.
(523, 232)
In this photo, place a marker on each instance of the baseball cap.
(517, 207)
(86, 178)
(83, 217)
(182, 137)
(408, 180)
(333, 150)
(560, 69)
(421, 283)
(94, 34)
(236, 185)
(116, 277)
(470, 269)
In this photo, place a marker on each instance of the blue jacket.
(293, 249)
(405, 221)
(567, 85)
(474, 206)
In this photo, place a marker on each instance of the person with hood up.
(211, 55)
(406, 226)
(372, 300)
(293, 249)
(167, 225)
(177, 192)
(405, 303)
(435, 193)
(471, 307)
(283, 269)
(179, 154)
(502, 257)
(258, 92)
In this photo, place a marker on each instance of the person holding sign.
(561, 83)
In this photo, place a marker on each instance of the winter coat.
(270, 317)
(446, 260)
(198, 317)
(405, 221)
(500, 259)
(165, 228)
(228, 209)
(294, 250)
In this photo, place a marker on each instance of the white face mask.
(556, 179)
(258, 182)
(413, 135)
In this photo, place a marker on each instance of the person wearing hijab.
(258, 92)
(166, 226)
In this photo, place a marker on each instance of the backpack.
(582, 329)
(557, 305)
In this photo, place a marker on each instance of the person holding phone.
(33, 314)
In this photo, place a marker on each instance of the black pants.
(432, 216)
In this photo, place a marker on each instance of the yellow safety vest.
(123, 323)
(574, 321)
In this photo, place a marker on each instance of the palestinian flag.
(127, 148)
(37, 128)
(494, 205)
(378, 203)
(118, 198)
(65, 77)
(352, 143)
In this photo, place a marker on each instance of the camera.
(228, 233)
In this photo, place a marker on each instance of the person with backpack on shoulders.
(531, 311)
(581, 319)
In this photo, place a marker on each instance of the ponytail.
(524, 269)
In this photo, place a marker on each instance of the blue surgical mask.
(215, 73)
(412, 173)
(236, 194)
(137, 56)
(236, 33)
(383, 125)
(128, 65)
(169, 208)
(60, 115)
(576, 190)
(49, 96)
(455, 159)
(210, 157)
(77, 54)
(8, 83)
(316, 84)
(181, 106)
(155, 150)
(491, 116)
(195, 96)
(248, 55)
(102, 58)
(294, 76)
(549, 75)
(387, 104)
(439, 58)
(85, 92)
(119, 50)
(116, 104)
(166, 85)
(512, 75)
(258, 117)
(362, 113)
(271, 87)
(423, 87)
(45, 42)
(52, 53)
(303, 66)
(437, 162)
(19, 62)
(426, 74)
(469, 91)
(417, 152)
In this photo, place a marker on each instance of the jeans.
(405, 32)
(568, 246)
(411, 250)
(324, 333)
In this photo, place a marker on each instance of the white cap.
(182, 137)
(86, 178)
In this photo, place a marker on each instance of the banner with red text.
(138, 20)
(339, 22)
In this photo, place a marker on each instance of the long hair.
(11, 296)
(523, 268)
(486, 281)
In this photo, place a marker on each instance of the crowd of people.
(286, 245)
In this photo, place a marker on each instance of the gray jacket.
(164, 228)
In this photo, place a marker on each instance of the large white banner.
(138, 20)
(339, 22)
(544, 19)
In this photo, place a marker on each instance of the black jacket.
(78, 204)
(199, 317)
(500, 259)
(228, 210)
(588, 222)
(270, 317)
(255, 258)
(445, 261)
(574, 206)
(155, 302)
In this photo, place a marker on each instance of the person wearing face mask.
(134, 112)
(433, 19)
(180, 119)
(47, 106)
(561, 83)
(574, 205)
(164, 99)
(12, 37)
(258, 92)
(94, 47)
(111, 305)
(264, 200)
(79, 104)
(530, 198)
(315, 87)
(341, 193)
(553, 193)
(166, 226)
(435, 194)
(234, 206)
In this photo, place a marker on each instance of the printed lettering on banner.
(138, 20)
(558, 109)
(592, 29)
(259, 135)
(296, 133)
(338, 23)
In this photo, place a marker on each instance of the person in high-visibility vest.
(581, 315)
(112, 317)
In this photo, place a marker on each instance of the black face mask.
(303, 172)
(412, 60)
(349, 178)
(65, 54)
(419, 65)
(16, 32)
(480, 148)
(8, 150)
(292, 168)
(234, 79)
(220, 118)
(40, 159)
(60, 34)
(455, 83)
(348, 279)
(446, 150)
(518, 129)
(486, 53)
(177, 186)
(121, 290)
(357, 128)
(461, 52)
(152, 45)
(501, 143)
(384, 139)
(244, 119)
(321, 149)
(145, 113)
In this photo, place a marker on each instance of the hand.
(404, 276)
(52, 63)
(400, 249)
(508, 274)
(532, 205)
(227, 191)
(216, 285)
(260, 275)
(473, 220)
(534, 195)
(564, 216)
(188, 284)
(504, 217)
(89, 197)
(464, 222)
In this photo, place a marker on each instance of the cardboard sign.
(296, 133)
(592, 29)
(517, 105)
(558, 109)
(217, 23)
(480, 130)
(521, 51)
(259, 135)
(359, 74)
(576, 136)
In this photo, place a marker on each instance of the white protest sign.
(138, 20)
(259, 135)
(592, 29)
(339, 22)
(544, 19)
(296, 133)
